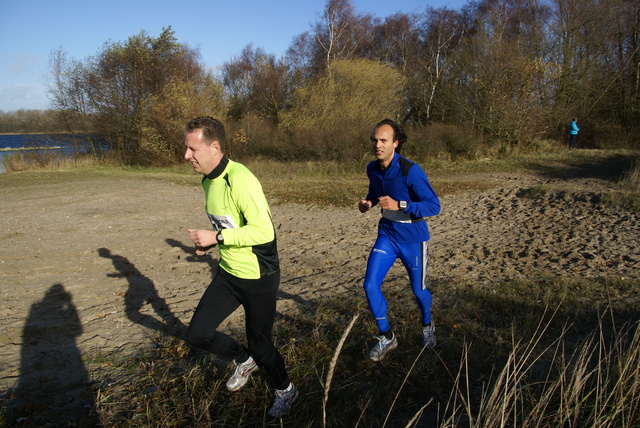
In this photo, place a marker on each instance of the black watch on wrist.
(402, 205)
(220, 238)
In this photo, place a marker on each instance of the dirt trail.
(100, 264)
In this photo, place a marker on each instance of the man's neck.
(219, 168)
(387, 163)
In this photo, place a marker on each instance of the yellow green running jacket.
(236, 205)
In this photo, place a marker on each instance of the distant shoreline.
(17, 149)
(41, 133)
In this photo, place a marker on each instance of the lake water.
(67, 144)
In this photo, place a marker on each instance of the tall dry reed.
(597, 385)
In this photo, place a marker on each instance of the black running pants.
(258, 298)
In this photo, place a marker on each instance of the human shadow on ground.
(54, 383)
(141, 292)
(611, 168)
(213, 263)
(189, 250)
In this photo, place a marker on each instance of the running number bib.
(220, 222)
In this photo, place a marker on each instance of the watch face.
(403, 204)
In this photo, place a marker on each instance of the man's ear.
(214, 147)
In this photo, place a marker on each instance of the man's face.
(383, 144)
(201, 155)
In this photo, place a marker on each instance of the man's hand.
(364, 205)
(203, 251)
(387, 203)
(202, 239)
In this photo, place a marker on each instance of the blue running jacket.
(404, 180)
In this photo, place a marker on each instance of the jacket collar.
(218, 170)
(393, 160)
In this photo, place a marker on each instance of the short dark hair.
(398, 132)
(212, 129)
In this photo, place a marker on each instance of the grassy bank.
(333, 183)
(549, 353)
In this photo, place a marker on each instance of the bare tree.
(443, 30)
(340, 33)
(137, 94)
(67, 96)
(299, 59)
(498, 75)
(256, 82)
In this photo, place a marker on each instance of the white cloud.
(21, 84)
(23, 96)
(20, 64)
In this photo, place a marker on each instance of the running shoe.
(283, 401)
(241, 374)
(384, 345)
(429, 336)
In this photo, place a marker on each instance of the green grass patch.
(627, 200)
(537, 192)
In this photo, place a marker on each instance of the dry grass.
(631, 177)
(342, 184)
(48, 160)
(539, 355)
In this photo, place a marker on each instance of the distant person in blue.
(403, 192)
(573, 133)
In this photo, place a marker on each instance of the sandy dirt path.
(101, 264)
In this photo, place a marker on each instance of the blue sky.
(31, 29)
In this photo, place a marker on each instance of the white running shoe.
(384, 345)
(241, 374)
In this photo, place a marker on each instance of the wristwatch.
(220, 238)
(402, 204)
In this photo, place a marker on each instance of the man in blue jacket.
(403, 192)
(573, 133)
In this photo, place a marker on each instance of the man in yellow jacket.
(248, 271)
